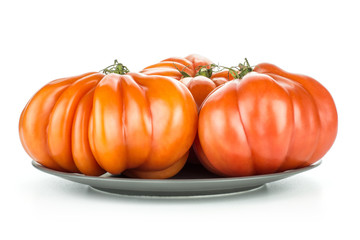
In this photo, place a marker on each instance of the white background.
(45, 40)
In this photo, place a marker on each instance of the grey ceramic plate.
(193, 180)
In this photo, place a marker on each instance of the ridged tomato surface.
(267, 122)
(93, 123)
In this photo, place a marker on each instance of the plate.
(192, 180)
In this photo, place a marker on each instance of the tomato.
(269, 121)
(194, 71)
(92, 123)
(142, 131)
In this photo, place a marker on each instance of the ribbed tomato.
(267, 122)
(194, 71)
(92, 123)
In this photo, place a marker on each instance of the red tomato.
(269, 121)
(92, 123)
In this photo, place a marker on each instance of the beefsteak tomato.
(92, 123)
(269, 121)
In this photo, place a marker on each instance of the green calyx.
(207, 70)
(117, 67)
(244, 68)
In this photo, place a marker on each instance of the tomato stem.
(206, 70)
(117, 67)
(239, 71)
(244, 68)
(183, 73)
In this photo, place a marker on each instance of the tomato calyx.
(117, 67)
(237, 72)
(206, 70)
(244, 68)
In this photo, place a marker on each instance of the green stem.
(245, 68)
(247, 62)
(183, 73)
(206, 70)
(117, 67)
(239, 71)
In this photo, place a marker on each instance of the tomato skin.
(270, 121)
(34, 120)
(323, 101)
(59, 129)
(80, 146)
(198, 61)
(143, 129)
(170, 67)
(92, 123)
(199, 86)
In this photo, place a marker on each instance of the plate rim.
(170, 180)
